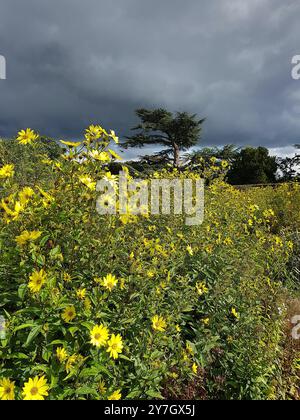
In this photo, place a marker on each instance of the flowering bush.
(110, 307)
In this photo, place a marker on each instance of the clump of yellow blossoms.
(109, 282)
(159, 323)
(201, 288)
(7, 171)
(81, 293)
(69, 314)
(94, 132)
(99, 335)
(115, 346)
(27, 136)
(88, 182)
(7, 389)
(37, 280)
(27, 236)
(116, 395)
(70, 144)
(35, 389)
(61, 354)
(235, 313)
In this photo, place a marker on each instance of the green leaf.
(73, 330)
(57, 343)
(85, 390)
(133, 394)
(46, 355)
(154, 394)
(20, 356)
(33, 334)
(22, 290)
(23, 326)
(87, 324)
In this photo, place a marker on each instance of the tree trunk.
(176, 155)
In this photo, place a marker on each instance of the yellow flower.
(185, 357)
(88, 182)
(177, 327)
(209, 249)
(228, 241)
(122, 284)
(25, 195)
(253, 208)
(158, 323)
(114, 154)
(7, 171)
(99, 335)
(189, 348)
(190, 250)
(201, 288)
(224, 164)
(150, 274)
(115, 346)
(27, 236)
(7, 389)
(35, 389)
(27, 136)
(109, 282)
(93, 132)
(115, 395)
(47, 198)
(71, 362)
(71, 143)
(67, 278)
(195, 368)
(235, 313)
(69, 314)
(103, 157)
(61, 354)
(268, 213)
(80, 293)
(205, 321)
(12, 213)
(112, 179)
(126, 218)
(114, 137)
(37, 280)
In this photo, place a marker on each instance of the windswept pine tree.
(177, 132)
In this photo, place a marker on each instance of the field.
(142, 307)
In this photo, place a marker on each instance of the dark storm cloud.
(70, 63)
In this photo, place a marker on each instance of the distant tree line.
(181, 131)
(176, 135)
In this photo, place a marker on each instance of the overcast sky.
(71, 63)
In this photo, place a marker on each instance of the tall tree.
(176, 132)
(289, 166)
(253, 166)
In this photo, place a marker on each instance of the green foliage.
(253, 166)
(27, 161)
